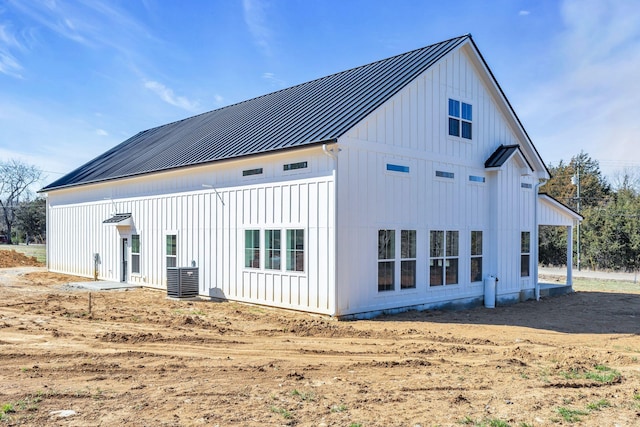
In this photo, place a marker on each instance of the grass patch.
(282, 411)
(571, 415)
(339, 408)
(310, 396)
(601, 373)
(494, 422)
(583, 284)
(596, 406)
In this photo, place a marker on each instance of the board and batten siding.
(209, 223)
(411, 129)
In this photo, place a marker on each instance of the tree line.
(610, 232)
(22, 217)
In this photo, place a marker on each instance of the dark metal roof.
(117, 218)
(502, 154)
(318, 111)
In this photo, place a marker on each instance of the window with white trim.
(295, 250)
(172, 250)
(272, 249)
(407, 259)
(476, 256)
(525, 253)
(460, 118)
(135, 253)
(252, 248)
(443, 257)
(386, 260)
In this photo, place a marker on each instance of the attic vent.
(443, 174)
(293, 166)
(182, 282)
(250, 172)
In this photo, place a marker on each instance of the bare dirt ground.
(137, 358)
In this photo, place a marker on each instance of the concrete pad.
(100, 285)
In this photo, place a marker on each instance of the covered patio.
(551, 212)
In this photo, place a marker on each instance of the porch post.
(570, 255)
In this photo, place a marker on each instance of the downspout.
(536, 229)
(330, 153)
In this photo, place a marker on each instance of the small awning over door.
(119, 220)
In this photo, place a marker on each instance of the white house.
(399, 184)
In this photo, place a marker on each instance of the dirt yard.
(136, 358)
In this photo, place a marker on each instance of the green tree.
(582, 173)
(31, 219)
(15, 179)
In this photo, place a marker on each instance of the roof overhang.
(552, 212)
(119, 220)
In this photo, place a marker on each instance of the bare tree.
(15, 179)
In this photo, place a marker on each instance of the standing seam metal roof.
(317, 111)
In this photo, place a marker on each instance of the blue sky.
(78, 77)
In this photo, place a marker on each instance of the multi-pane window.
(252, 248)
(407, 259)
(171, 250)
(525, 253)
(135, 253)
(476, 256)
(460, 117)
(295, 250)
(386, 260)
(272, 249)
(443, 262)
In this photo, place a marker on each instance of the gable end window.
(460, 118)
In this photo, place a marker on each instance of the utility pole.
(575, 180)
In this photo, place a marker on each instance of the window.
(293, 166)
(474, 178)
(526, 185)
(272, 249)
(397, 168)
(250, 172)
(460, 116)
(386, 260)
(252, 248)
(135, 253)
(525, 251)
(443, 263)
(295, 250)
(407, 259)
(443, 174)
(171, 250)
(476, 256)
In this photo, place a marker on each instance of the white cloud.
(271, 78)
(102, 132)
(9, 65)
(590, 100)
(524, 13)
(169, 97)
(256, 19)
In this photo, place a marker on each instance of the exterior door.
(125, 257)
